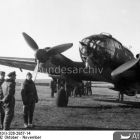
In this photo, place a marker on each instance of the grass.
(100, 111)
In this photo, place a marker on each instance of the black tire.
(62, 98)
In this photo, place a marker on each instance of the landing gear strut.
(121, 96)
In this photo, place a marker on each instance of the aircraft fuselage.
(104, 52)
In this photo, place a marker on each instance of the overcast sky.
(53, 22)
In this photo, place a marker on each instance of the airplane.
(104, 58)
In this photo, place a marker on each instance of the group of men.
(81, 89)
(7, 99)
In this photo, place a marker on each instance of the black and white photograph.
(69, 65)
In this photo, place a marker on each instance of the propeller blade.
(30, 41)
(124, 67)
(35, 71)
(59, 49)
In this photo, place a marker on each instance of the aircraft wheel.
(62, 98)
(122, 97)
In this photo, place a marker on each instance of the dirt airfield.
(101, 111)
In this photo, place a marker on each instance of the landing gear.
(62, 98)
(52, 94)
(121, 96)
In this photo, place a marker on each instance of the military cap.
(2, 72)
(12, 73)
(29, 73)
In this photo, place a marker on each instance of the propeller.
(30, 41)
(42, 55)
(124, 67)
(59, 49)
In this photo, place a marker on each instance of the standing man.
(89, 88)
(2, 77)
(53, 86)
(29, 98)
(8, 100)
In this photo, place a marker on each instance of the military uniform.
(29, 98)
(53, 87)
(1, 97)
(88, 88)
(8, 100)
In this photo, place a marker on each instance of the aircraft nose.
(83, 49)
(86, 55)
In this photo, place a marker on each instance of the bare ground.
(100, 111)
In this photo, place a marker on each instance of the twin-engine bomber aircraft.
(104, 59)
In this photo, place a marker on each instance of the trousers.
(28, 111)
(9, 115)
(2, 114)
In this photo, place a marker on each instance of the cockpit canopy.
(100, 45)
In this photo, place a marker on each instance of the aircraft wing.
(57, 60)
(21, 63)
